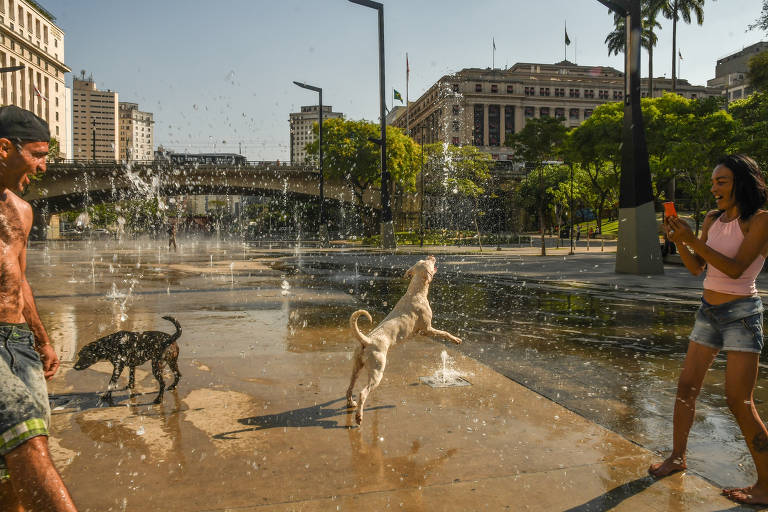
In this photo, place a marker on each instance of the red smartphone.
(669, 209)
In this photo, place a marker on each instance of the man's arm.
(42, 343)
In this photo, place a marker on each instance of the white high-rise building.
(30, 38)
(136, 133)
(301, 129)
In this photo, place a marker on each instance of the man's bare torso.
(15, 217)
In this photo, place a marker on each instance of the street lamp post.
(637, 251)
(421, 203)
(323, 225)
(11, 69)
(387, 227)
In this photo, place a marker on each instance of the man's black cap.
(17, 123)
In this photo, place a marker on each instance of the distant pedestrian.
(591, 232)
(28, 477)
(172, 236)
(732, 248)
(578, 232)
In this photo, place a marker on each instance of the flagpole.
(407, 110)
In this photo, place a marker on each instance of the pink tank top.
(726, 238)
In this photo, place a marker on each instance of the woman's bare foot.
(752, 495)
(670, 465)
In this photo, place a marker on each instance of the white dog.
(411, 315)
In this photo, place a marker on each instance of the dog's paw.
(351, 404)
(457, 341)
(359, 418)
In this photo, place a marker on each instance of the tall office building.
(30, 38)
(136, 133)
(482, 107)
(94, 122)
(301, 129)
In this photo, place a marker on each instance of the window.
(455, 126)
(544, 112)
(478, 87)
(494, 88)
(529, 112)
(573, 114)
(560, 113)
(543, 91)
(559, 92)
(530, 91)
(510, 89)
(455, 87)
(587, 113)
(455, 141)
(589, 93)
(456, 110)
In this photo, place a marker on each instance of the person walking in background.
(28, 478)
(172, 236)
(732, 247)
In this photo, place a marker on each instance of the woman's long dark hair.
(749, 189)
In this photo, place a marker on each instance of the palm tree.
(616, 39)
(674, 10)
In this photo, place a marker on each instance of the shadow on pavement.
(615, 496)
(314, 416)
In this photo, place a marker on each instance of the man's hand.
(50, 360)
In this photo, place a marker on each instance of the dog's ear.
(409, 272)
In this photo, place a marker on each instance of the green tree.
(595, 146)
(675, 10)
(762, 21)
(752, 116)
(696, 141)
(460, 170)
(349, 155)
(758, 71)
(616, 39)
(538, 142)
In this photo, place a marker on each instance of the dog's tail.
(365, 340)
(177, 334)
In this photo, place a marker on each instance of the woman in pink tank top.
(732, 248)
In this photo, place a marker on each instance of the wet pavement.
(572, 369)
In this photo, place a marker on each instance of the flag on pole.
(39, 94)
(407, 67)
(397, 96)
(679, 54)
(494, 43)
(567, 39)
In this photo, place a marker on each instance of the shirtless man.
(28, 480)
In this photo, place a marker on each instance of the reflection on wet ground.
(613, 360)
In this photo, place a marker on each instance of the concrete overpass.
(71, 185)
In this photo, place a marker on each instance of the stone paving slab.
(270, 432)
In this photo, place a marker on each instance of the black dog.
(132, 349)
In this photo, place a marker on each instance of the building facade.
(137, 138)
(301, 129)
(731, 72)
(482, 107)
(30, 38)
(95, 122)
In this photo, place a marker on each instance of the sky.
(218, 75)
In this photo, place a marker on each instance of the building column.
(502, 124)
(485, 125)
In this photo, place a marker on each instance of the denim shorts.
(736, 325)
(24, 409)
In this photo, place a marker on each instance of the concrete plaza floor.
(268, 429)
